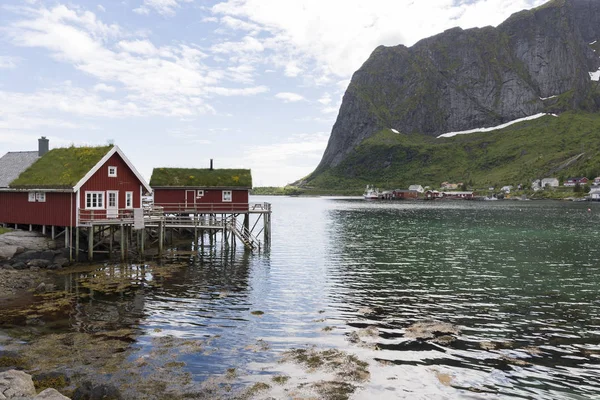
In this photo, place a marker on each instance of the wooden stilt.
(161, 238)
(52, 229)
(91, 243)
(43, 229)
(76, 244)
(112, 240)
(66, 232)
(122, 243)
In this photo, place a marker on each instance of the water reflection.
(519, 279)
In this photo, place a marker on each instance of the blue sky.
(249, 83)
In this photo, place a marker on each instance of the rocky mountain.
(537, 61)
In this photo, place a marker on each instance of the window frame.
(129, 200)
(199, 193)
(36, 197)
(227, 199)
(100, 200)
(113, 174)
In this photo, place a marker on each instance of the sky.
(174, 83)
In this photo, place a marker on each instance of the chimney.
(43, 146)
(211, 164)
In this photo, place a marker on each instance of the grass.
(517, 154)
(4, 230)
(194, 177)
(60, 168)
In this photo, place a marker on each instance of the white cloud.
(295, 157)
(325, 99)
(338, 39)
(289, 97)
(102, 87)
(166, 80)
(143, 47)
(101, 8)
(8, 62)
(248, 44)
(163, 7)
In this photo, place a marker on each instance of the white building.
(418, 188)
(552, 182)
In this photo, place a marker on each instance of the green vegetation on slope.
(4, 230)
(561, 147)
(195, 177)
(60, 168)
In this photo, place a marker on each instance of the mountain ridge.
(538, 60)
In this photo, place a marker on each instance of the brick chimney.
(43, 146)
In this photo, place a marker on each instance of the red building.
(68, 187)
(201, 191)
(405, 194)
(574, 181)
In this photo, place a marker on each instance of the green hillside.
(568, 145)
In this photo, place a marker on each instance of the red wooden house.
(574, 181)
(201, 191)
(70, 187)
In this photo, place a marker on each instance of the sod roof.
(194, 177)
(60, 168)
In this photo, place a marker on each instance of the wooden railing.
(173, 213)
(207, 208)
(120, 215)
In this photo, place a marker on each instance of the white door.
(112, 203)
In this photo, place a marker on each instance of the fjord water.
(520, 279)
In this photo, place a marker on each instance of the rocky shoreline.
(25, 258)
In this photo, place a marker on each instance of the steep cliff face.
(536, 61)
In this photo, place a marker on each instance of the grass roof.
(194, 177)
(60, 168)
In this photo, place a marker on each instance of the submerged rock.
(432, 330)
(89, 391)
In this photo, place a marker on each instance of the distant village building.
(597, 181)
(575, 181)
(450, 186)
(536, 185)
(506, 189)
(551, 182)
(68, 187)
(457, 195)
(418, 188)
(209, 190)
(594, 194)
(401, 194)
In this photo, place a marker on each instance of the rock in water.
(16, 385)
(430, 329)
(50, 394)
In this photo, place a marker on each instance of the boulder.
(89, 391)
(61, 261)
(19, 265)
(15, 385)
(50, 394)
(38, 262)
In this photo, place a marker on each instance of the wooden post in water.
(91, 243)
(76, 244)
(160, 238)
(122, 243)
(112, 239)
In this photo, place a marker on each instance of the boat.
(371, 193)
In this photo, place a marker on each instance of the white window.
(112, 172)
(94, 200)
(37, 197)
(112, 199)
(200, 193)
(226, 195)
(128, 199)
